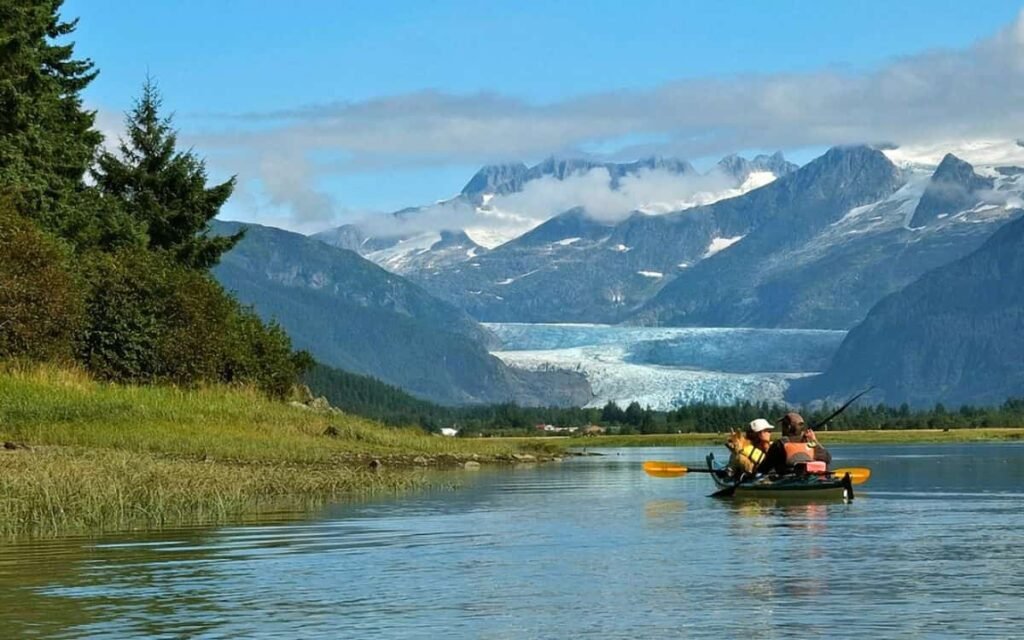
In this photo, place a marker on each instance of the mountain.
(843, 243)
(354, 315)
(953, 187)
(496, 178)
(741, 168)
(575, 269)
(409, 235)
(955, 335)
(814, 247)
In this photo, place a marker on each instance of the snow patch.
(720, 244)
(395, 257)
(621, 248)
(511, 280)
(683, 265)
(651, 274)
(567, 241)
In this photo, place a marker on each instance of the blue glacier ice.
(667, 367)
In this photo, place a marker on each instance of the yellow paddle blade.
(660, 469)
(858, 475)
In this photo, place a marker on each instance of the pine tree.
(47, 140)
(163, 188)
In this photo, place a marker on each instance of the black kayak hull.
(790, 487)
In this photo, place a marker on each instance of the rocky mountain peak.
(741, 168)
(496, 178)
(954, 187)
(855, 172)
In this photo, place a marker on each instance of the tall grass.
(109, 457)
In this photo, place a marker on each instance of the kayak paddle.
(661, 469)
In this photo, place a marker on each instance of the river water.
(932, 546)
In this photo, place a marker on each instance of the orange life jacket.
(799, 453)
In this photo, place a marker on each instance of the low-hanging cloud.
(650, 190)
(950, 94)
(505, 216)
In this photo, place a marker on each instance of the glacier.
(667, 367)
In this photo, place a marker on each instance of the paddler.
(797, 450)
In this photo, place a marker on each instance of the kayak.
(789, 487)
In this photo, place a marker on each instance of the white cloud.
(952, 94)
(650, 190)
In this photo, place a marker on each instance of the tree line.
(105, 253)
(366, 396)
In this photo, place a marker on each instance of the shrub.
(40, 301)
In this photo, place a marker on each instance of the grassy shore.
(903, 436)
(82, 456)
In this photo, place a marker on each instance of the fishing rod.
(841, 409)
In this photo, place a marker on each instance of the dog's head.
(736, 441)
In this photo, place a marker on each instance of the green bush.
(40, 303)
(149, 319)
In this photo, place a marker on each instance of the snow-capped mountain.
(573, 268)
(814, 248)
(503, 202)
(827, 269)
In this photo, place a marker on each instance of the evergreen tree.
(47, 140)
(163, 188)
(612, 413)
(634, 414)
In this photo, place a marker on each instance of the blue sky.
(375, 106)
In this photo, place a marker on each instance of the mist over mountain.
(501, 202)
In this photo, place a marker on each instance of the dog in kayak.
(742, 453)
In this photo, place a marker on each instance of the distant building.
(449, 431)
(593, 430)
(550, 428)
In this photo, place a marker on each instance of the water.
(933, 546)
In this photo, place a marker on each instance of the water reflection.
(661, 510)
(589, 548)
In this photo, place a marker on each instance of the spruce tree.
(163, 188)
(47, 140)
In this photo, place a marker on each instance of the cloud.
(652, 190)
(949, 94)
(506, 216)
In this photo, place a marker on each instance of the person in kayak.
(797, 450)
(760, 434)
(748, 448)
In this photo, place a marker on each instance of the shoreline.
(81, 456)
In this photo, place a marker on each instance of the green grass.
(107, 457)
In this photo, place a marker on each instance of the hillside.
(351, 314)
(954, 336)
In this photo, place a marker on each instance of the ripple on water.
(588, 548)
